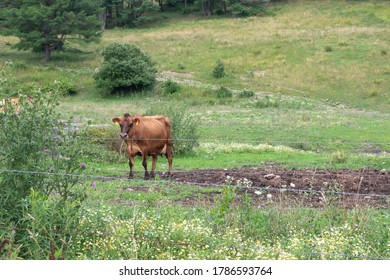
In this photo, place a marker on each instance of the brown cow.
(146, 136)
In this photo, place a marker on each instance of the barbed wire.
(241, 140)
(255, 188)
(266, 169)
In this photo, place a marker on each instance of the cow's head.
(126, 122)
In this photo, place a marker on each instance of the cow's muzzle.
(123, 136)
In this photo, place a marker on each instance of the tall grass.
(157, 227)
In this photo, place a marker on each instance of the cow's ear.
(136, 121)
(116, 120)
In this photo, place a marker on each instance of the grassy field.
(320, 73)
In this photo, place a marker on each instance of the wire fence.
(240, 184)
(237, 140)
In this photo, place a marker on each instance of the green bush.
(246, 94)
(219, 69)
(64, 87)
(102, 144)
(170, 87)
(224, 92)
(37, 150)
(125, 68)
(184, 128)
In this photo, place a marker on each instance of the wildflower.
(46, 150)
(93, 184)
(269, 196)
(82, 165)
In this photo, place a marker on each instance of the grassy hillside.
(321, 50)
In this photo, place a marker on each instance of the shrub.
(184, 126)
(328, 49)
(36, 151)
(64, 87)
(246, 94)
(125, 67)
(102, 144)
(219, 69)
(223, 92)
(170, 87)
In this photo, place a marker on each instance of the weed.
(338, 157)
(267, 102)
(328, 49)
(246, 94)
(221, 212)
(223, 92)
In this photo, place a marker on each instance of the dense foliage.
(43, 26)
(125, 68)
(134, 12)
(40, 163)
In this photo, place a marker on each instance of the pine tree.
(44, 25)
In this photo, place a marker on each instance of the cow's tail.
(168, 125)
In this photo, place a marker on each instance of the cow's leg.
(131, 164)
(145, 165)
(130, 155)
(170, 158)
(154, 161)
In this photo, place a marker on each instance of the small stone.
(269, 176)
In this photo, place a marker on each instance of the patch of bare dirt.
(297, 187)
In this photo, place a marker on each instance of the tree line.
(43, 26)
(133, 12)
